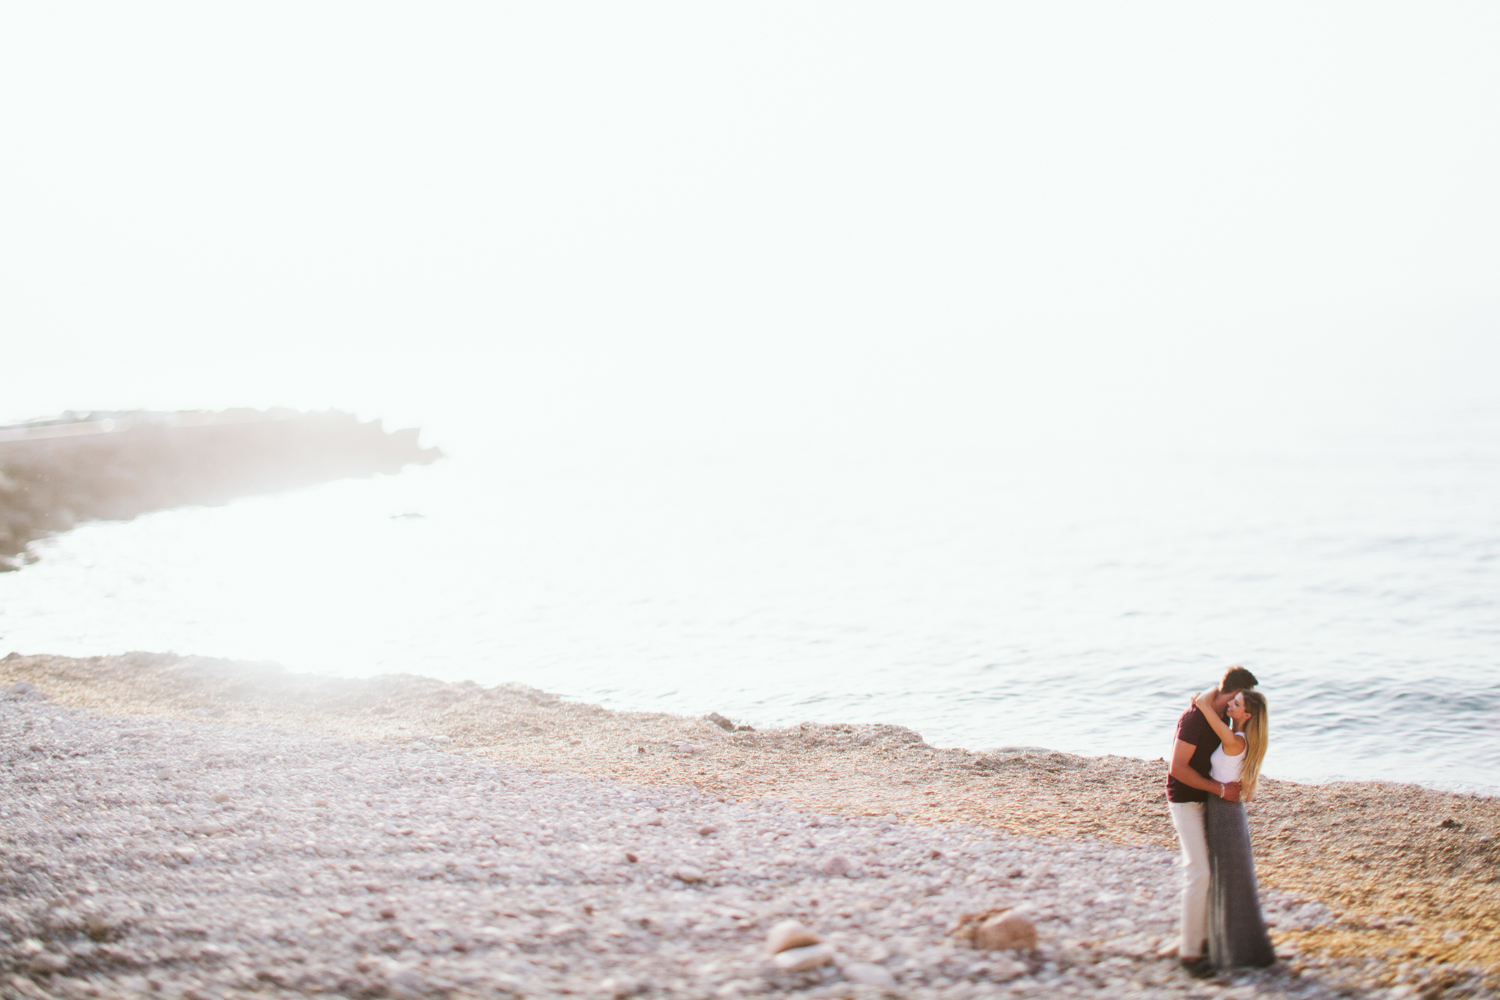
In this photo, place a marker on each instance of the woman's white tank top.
(1222, 767)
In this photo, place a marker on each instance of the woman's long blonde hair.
(1257, 733)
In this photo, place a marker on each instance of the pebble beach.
(187, 827)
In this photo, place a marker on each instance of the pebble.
(22, 691)
(789, 934)
(803, 959)
(47, 962)
(621, 986)
(404, 981)
(997, 930)
(835, 865)
(868, 974)
(260, 868)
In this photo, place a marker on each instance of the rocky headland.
(188, 827)
(116, 466)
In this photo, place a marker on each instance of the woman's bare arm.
(1232, 741)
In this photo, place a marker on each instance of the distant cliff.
(114, 466)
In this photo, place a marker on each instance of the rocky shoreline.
(116, 466)
(226, 829)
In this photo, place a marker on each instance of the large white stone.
(789, 934)
(803, 959)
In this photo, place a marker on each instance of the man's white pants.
(1187, 817)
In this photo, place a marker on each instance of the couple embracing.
(1221, 740)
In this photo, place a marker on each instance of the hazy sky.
(692, 222)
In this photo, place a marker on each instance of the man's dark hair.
(1237, 679)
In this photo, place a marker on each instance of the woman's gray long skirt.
(1236, 930)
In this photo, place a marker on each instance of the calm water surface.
(980, 597)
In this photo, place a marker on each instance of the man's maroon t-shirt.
(1193, 727)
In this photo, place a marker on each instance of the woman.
(1236, 930)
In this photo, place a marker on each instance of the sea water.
(982, 596)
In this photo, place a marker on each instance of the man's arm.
(1231, 742)
(1182, 754)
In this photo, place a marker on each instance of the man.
(1188, 787)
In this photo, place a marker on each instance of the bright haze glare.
(669, 225)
